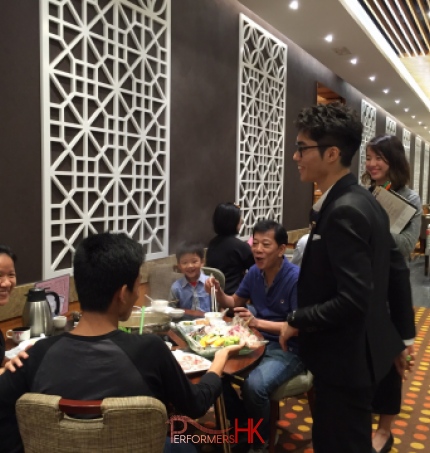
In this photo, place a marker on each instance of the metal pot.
(153, 322)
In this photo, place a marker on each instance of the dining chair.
(219, 275)
(130, 424)
(298, 385)
(160, 279)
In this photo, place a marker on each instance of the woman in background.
(387, 166)
(7, 284)
(225, 251)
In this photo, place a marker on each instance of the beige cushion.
(295, 386)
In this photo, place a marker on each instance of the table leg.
(221, 419)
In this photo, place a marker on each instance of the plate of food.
(191, 363)
(206, 340)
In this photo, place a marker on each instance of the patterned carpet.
(411, 428)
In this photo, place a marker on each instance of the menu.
(399, 210)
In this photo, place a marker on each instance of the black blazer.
(351, 271)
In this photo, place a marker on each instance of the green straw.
(142, 319)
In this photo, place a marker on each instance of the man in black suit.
(351, 271)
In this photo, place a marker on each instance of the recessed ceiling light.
(372, 78)
(420, 122)
(407, 109)
(425, 127)
(354, 61)
(386, 90)
(397, 101)
(294, 5)
(329, 38)
(412, 116)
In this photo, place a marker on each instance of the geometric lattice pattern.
(406, 140)
(368, 118)
(106, 66)
(425, 191)
(261, 120)
(417, 165)
(390, 127)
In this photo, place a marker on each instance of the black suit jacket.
(351, 271)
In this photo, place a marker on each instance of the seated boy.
(189, 290)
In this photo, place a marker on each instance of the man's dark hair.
(190, 247)
(391, 150)
(225, 219)
(5, 250)
(104, 263)
(332, 125)
(262, 226)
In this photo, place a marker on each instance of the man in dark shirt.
(96, 360)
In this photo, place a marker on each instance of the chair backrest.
(131, 424)
(219, 275)
(160, 279)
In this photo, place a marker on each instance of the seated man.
(271, 286)
(96, 360)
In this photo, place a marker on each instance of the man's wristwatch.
(291, 317)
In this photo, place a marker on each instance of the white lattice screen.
(417, 165)
(261, 120)
(390, 126)
(368, 118)
(406, 140)
(425, 191)
(105, 87)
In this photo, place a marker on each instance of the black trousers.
(388, 395)
(342, 418)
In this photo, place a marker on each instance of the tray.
(195, 346)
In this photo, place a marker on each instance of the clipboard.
(400, 211)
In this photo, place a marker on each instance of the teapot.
(37, 311)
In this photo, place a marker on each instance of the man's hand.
(401, 363)
(246, 315)
(286, 333)
(211, 281)
(15, 362)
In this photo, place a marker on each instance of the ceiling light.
(397, 101)
(294, 5)
(372, 78)
(420, 122)
(354, 61)
(425, 127)
(386, 91)
(407, 109)
(413, 116)
(329, 38)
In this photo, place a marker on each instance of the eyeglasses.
(301, 148)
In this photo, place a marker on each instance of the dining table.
(237, 365)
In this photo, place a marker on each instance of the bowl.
(175, 313)
(214, 317)
(59, 322)
(159, 305)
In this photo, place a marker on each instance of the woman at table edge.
(7, 285)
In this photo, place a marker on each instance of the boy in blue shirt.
(189, 290)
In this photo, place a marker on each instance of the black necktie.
(313, 217)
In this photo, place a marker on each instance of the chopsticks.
(213, 297)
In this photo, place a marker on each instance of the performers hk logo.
(211, 436)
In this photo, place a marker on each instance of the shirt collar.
(185, 282)
(317, 206)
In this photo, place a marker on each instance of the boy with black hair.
(189, 290)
